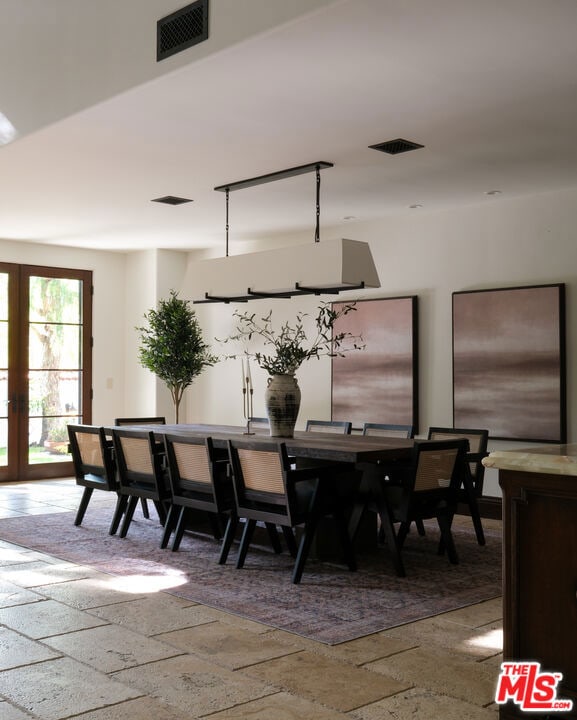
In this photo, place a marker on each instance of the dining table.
(365, 455)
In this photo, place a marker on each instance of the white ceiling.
(489, 87)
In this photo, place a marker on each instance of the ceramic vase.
(282, 399)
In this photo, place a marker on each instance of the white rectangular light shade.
(320, 265)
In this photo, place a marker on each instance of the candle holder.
(247, 397)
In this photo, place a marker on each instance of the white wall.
(504, 242)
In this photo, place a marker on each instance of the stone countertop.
(550, 459)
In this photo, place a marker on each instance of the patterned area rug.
(331, 604)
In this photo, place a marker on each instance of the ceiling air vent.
(394, 147)
(171, 200)
(182, 29)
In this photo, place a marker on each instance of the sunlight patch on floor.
(492, 640)
(139, 584)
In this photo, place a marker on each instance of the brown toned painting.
(378, 384)
(509, 362)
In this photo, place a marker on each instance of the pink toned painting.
(508, 362)
(379, 383)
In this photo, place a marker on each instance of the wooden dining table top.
(314, 445)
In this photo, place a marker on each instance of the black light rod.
(271, 177)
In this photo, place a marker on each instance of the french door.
(45, 367)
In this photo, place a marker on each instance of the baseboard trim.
(489, 507)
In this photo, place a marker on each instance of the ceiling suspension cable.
(318, 209)
(226, 227)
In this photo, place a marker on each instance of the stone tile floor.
(75, 643)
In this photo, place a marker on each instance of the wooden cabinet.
(540, 577)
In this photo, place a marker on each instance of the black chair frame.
(140, 485)
(472, 482)
(214, 497)
(286, 509)
(100, 474)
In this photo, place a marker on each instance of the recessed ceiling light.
(415, 206)
(7, 130)
(171, 200)
(493, 192)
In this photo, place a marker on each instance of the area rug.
(331, 605)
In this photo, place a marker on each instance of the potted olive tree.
(172, 346)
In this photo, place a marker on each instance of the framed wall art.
(380, 383)
(509, 362)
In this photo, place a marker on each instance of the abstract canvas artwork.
(378, 384)
(509, 362)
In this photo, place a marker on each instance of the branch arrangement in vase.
(290, 346)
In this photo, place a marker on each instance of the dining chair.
(428, 490)
(141, 473)
(268, 489)
(94, 465)
(388, 430)
(342, 427)
(370, 483)
(474, 471)
(119, 422)
(198, 481)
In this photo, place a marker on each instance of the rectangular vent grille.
(171, 200)
(394, 147)
(182, 29)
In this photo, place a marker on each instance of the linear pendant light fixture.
(312, 269)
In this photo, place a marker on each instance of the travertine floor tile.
(99, 589)
(17, 650)
(11, 594)
(477, 643)
(155, 614)
(111, 648)
(41, 510)
(227, 645)
(357, 652)
(42, 573)
(22, 502)
(329, 682)
(281, 706)
(42, 619)
(145, 708)
(236, 620)
(60, 688)
(8, 513)
(16, 555)
(9, 712)
(418, 703)
(441, 672)
(494, 663)
(477, 615)
(193, 685)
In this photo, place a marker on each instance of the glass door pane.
(55, 345)
(4, 405)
